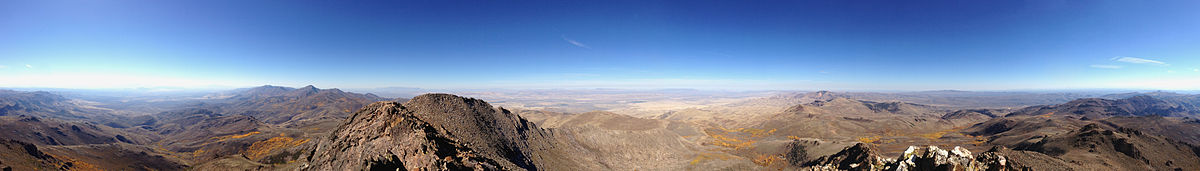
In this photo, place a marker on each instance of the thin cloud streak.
(576, 43)
(1106, 66)
(1138, 60)
(28, 66)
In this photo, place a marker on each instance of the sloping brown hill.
(1183, 129)
(49, 105)
(200, 135)
(437, 131)
(1094, 147)
(116, 156)
(40, 103)
(1096, 108)
(17, 155)
(1097, 134)
(48, 131)
(1189, 102)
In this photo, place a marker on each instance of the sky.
(731, 45)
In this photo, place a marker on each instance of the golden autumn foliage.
(793, 137)
(870, 139)
(710, 156)
(766, 160)
(261, 149)
(1047, 115)
(76, 164)
(739, 138)
(228, 137)
(933, 136)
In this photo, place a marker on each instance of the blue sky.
(807, 45)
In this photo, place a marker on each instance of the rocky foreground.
(864, 157)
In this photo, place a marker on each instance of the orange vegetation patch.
(934, 136)
(870, 139)
(197, 153)
(261, 149)
(736, 138)
(793, 137)
(76, 164)
(1047, 115)
(766, 160)
(702, 156)
(228, 137)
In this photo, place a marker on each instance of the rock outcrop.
(864, 157)
(858, 157)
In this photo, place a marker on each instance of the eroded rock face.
(863, 157)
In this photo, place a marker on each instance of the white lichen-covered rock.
(933, 157)
(915, 158)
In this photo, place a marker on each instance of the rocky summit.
(433, 131)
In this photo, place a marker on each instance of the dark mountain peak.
(817, 95)
(309, 88)
(1096, 108)
(266, 90)
(272, 87)
(834, 101)
(304, 91)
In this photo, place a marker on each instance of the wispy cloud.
(2, 66)
(1106, 66)
(1138, 60)
(28, 66)
(576, 43)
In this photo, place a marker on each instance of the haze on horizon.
(834, 45)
